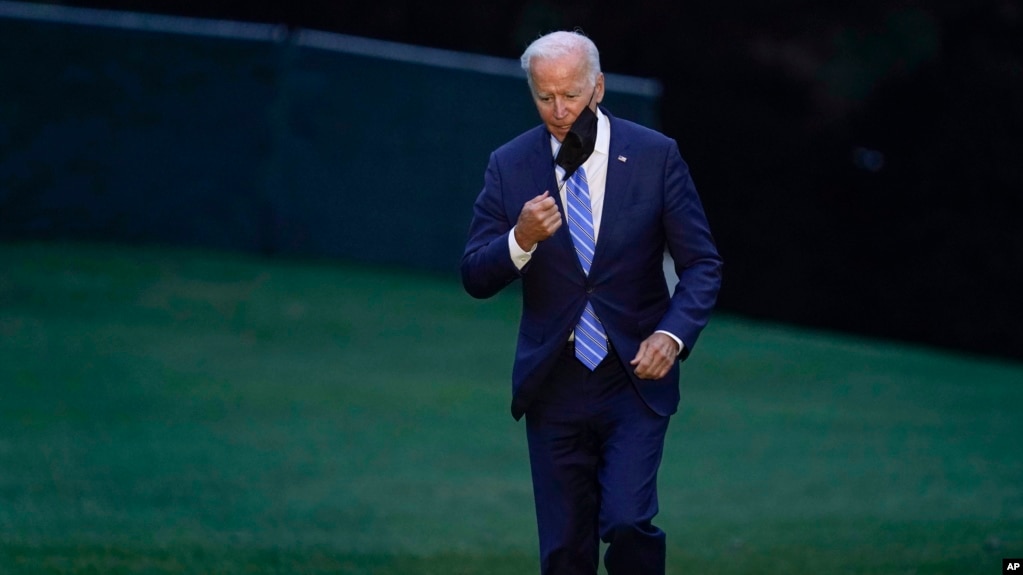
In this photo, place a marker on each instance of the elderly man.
(581, 210)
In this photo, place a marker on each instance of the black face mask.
(579, 142)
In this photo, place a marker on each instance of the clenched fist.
(538, 220)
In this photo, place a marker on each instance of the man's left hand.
(655, 357)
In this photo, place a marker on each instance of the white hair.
(558, 44)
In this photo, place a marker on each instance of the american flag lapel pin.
(622, 159)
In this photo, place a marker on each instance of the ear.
(600, 88)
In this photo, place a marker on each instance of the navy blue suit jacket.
(650, 203)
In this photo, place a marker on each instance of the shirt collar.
(603, 143)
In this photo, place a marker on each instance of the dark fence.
(124, 127)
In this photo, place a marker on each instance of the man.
(581, 210)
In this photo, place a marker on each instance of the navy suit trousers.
(594, 449)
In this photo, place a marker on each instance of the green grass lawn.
(173, 411)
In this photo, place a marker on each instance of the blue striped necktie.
(590, 339)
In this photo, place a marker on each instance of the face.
(561, 89)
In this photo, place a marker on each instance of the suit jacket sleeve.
(486, 265)
(691, 245)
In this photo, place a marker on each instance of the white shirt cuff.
(519, 256)
(672, 336)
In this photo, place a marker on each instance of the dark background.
(860, 164)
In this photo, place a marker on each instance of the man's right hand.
(538, 220)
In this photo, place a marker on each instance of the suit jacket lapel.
(543, 165)
(545, 178)
(619, 172)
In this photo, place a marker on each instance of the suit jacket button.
(589, 289)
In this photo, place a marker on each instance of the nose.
(560, 108)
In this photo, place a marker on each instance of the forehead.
(559, 74)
